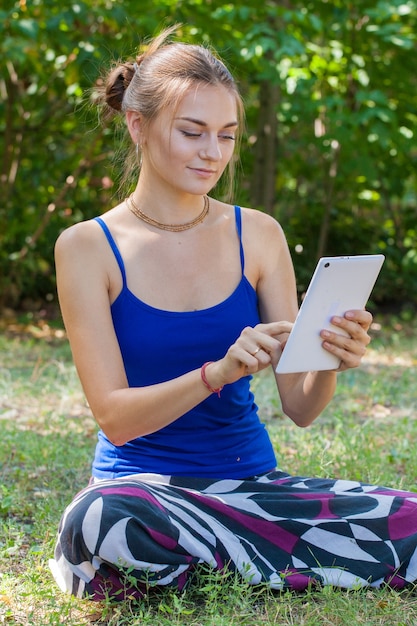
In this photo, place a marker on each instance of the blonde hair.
(158, 78)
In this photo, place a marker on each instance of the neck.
(165, 203)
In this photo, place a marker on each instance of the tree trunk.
(264, 170)
(329, 187)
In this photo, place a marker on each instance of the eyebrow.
(201, 123)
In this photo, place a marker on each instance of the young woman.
(172, 301)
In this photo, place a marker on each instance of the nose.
(211, 149)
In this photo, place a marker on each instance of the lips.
(203, 172)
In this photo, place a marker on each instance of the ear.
(134, 125)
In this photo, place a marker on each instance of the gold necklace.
(175, 228)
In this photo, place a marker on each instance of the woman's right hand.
(255, 349)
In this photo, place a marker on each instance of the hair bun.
(117, 82)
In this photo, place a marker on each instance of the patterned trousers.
(286, 531)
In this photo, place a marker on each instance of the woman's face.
(190, 148)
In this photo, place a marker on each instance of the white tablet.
(338, 285)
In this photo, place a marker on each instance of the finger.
(356, 328)
(263, 357)
(242, 355)
(360, 316)
(356, 341)
(346, 349)
(254, 341)
(275, 329)
(251, 361)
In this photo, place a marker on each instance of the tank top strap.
(113, 247)
(118, 256)
(238, 217)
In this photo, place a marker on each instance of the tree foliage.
(330, 148)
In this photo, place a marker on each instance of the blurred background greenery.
(331, 150)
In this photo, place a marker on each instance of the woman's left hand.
(352, 348)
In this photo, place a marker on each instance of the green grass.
(48, 437)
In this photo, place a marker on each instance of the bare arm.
(82, 266)
(303, 395)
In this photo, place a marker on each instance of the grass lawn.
(48, 436)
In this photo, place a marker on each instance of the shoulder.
(81, 251)
(83, 240)
(262, 227)
(259, 219)
(83, 267)
(266, 248)
(77, 235)
(89, 234)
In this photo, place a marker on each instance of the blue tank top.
(220, 437)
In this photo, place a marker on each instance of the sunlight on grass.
(48, 437)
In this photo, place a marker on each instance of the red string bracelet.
(206, 382)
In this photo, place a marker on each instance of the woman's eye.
(232, 137)
(187, 133)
